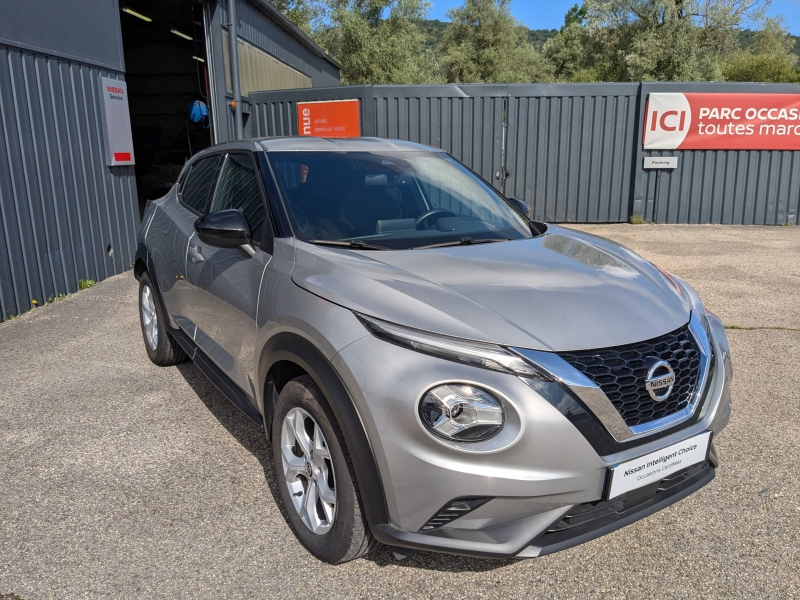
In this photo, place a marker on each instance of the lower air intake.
(453, 510)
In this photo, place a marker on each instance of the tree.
(575, 16)
(377, 41)
(301, 12)
(668, 40)
(650, 40)
(572, 54)
(769, 58)
(485, 44)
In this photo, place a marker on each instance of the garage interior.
(166, 71)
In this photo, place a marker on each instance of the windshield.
(392, 199)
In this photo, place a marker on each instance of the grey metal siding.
(466, 121)
(84, 30)
(275, 113)
(569, 150)
(724, 186)
(738, 187)
(259, 28)
(61, 207)
(566, 147)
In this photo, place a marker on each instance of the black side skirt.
(232, 391)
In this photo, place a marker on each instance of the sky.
(549, 14)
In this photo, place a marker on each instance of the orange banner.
(329, 118)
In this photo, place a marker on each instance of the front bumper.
(538, 472)
(574, 525)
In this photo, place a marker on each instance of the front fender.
(293, 348)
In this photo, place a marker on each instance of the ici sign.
(717, 121)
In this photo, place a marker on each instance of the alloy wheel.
(308, 470)
(149, 317)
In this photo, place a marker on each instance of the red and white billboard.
(329, 118)
(722, 122)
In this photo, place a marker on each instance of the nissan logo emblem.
(659, 382)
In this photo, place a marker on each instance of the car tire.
(162, 348)
(303, 421)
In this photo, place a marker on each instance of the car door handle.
(195, 254)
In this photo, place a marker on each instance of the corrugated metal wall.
(467, 121)
(571, 151)
(275, 113)
(739, 187)
(258, 27)
(724, 186)
(61, 208)
(556, 142)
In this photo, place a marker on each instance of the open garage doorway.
(166, 71)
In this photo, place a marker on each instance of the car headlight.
(476, 354)
(461, 412)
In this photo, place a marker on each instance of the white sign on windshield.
(116, 122)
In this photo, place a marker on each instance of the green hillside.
(432, 30)
(746, 38)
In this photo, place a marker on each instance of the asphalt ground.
(119, 479)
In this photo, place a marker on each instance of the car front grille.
(621, 372)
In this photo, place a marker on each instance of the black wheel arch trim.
(292, 347)
(151, 268)
(142, 255)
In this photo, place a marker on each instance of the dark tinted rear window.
(199, 182)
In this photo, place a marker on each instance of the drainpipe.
(233, 37)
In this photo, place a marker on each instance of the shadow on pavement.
(239, 425)
(253, 439)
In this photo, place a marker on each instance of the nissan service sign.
(722, 122)
(329, 118)
(116, 122)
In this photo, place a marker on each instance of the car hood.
(563, 290)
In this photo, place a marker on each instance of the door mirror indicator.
(224, 229)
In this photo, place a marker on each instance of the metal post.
(655, 198)
(233, 36)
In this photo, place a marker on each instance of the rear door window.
(199, 183)
(239, 189)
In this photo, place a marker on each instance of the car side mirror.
(522, 207)
(224, 229)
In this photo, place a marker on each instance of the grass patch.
(776, 328)
(83, 284)
(636, 220)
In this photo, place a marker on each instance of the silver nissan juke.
(434, 370)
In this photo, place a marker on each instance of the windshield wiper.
(355, 244)
(464, 241)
